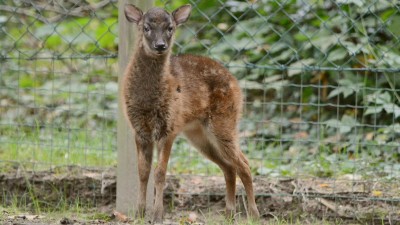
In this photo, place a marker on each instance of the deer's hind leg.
(227, 140)
(199, 138)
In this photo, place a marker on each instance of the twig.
(328, 204)
(244, 204)
(80, 11)
(73, 12)
(22, 12)
(341, 211)
(392, 86)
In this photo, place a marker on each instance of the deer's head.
(157, 26)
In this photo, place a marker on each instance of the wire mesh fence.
(320, 79)
(58, 82)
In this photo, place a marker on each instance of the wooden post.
(127, 171)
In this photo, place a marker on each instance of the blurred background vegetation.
(320, 79)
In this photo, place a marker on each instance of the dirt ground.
(197, 199)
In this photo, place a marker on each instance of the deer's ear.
(133, 14)
(181, 14)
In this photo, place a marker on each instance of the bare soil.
(348, 199)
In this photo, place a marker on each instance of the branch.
(80, 11)
(24, 12)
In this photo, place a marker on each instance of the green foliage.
(381, 101)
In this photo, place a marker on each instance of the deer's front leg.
(164, 150)
(144, 157)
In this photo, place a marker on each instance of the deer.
(165, 95)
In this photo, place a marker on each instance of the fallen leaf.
(352, 177)
(66, 221)
(192, 217)
(196, 180)
(324, 185)
(369, 136)
(26, 217)
(376, 193)
(301, 135)
(32, 217)
(247, 134)
(121, 217)
(333, 139)
(351, 155)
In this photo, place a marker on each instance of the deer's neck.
(148, 76)
(148, 67)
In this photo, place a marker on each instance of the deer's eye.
(170, 29)
(146, 29)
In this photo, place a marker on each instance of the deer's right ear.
(133, 14)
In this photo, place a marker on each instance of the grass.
(43, 148)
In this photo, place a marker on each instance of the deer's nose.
(160, 46)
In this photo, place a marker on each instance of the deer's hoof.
(254, 214)
(158, 217)
(140, 212)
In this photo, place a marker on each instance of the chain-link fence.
(58, 82)
(320, 78)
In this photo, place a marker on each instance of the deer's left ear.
(182, 14)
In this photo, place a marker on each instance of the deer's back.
(208, 89)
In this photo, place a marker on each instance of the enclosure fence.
(320, 79)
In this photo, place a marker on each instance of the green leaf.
(379, 98)
(277, 47)
(344, 125)
(333, 123)
(347, 123)
(337, 54)
(347, 92)
(392, 108)
(373, 110)
(3, 19)
(347, 87)
(297, 67)
(246, 84)
(26, 82)
(359, 3)
(354, 49)
(324, 41)
(45, 30)
(384, 98)
(335, 92)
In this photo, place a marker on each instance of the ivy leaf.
(297, 67)
(3, 19)
(335, 92)
(347, 123)
(347, 88)
(392, 108)
(373, 110)
(359, 3)
(344, 125)
(379, 98)
(337, 54)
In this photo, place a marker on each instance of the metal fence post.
(127, 172)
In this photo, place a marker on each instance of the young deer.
(166, 95)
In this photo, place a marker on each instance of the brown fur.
(166, 95)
